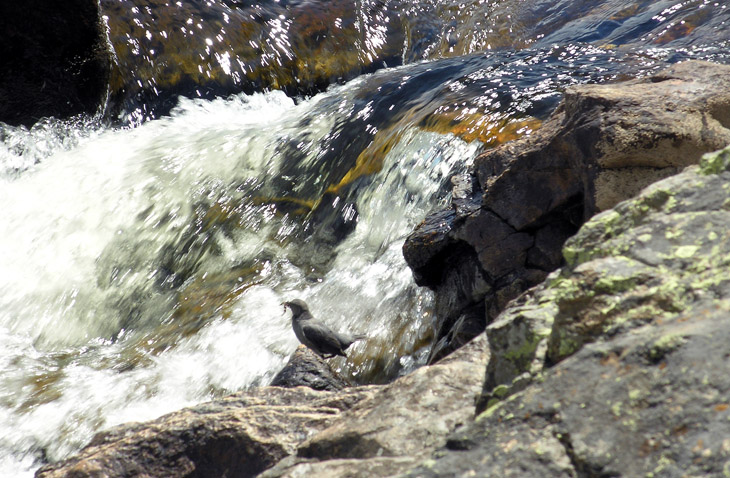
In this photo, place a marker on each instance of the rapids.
(143, 263)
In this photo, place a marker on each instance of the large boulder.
(618, 364)
(216, 48)
(602, 145)
(55, 60)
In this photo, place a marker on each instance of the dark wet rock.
(55, 61)
(305, 368)
(617, 364)
(240, 435)
(602, 145)
(425, 245)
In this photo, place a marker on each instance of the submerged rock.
(616, 365)
(603, 144)
(221, 47)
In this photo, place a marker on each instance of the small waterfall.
(144, 269)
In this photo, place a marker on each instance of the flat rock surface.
(385, 434)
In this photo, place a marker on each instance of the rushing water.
(142, 268)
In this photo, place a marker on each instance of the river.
(143, 261)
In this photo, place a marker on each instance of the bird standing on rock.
(324, 341)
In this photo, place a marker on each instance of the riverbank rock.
(508, 220)
(240, 435)
(55, 60)
(371, 430)
(403, 422)
(305, 368)
(618, 364)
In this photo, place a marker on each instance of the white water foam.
(65, 348)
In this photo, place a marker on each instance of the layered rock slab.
(305, 431)
(508, 220)
(618, 364)
(386, 434)
(240, 436)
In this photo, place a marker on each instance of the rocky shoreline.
(606, 355)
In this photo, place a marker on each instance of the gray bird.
(324, 341)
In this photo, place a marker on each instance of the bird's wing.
(322, 337)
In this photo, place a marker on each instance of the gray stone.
(240, 435)
(650, 403)
(413, 414)
(615, 366)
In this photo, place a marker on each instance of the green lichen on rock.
(665, 345)
(716, 162)
(517, 344)
(644, 261)
(500, 391)
(601, 226)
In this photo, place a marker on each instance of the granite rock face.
(647, 259)
(618, 364)
(379, 430)
(509, 220)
